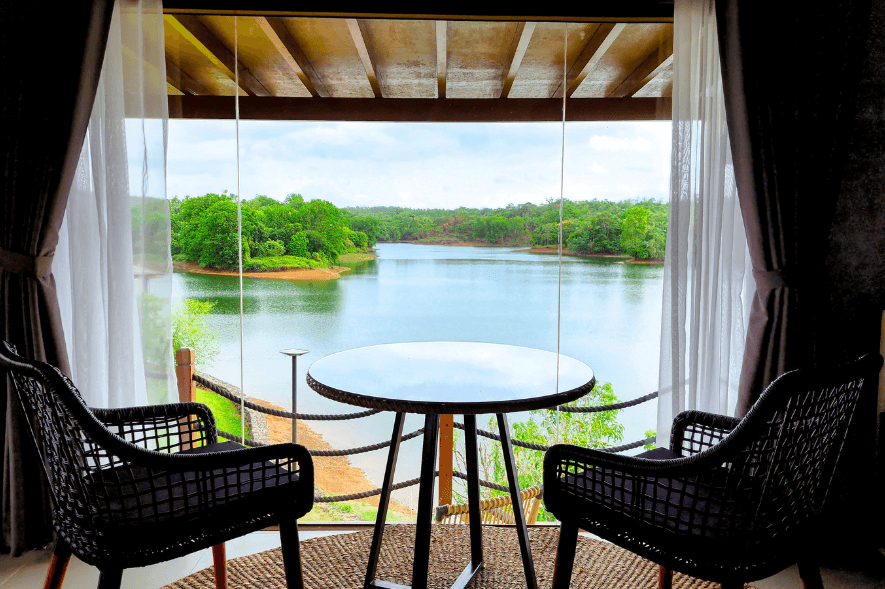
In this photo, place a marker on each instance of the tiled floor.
(30, 570)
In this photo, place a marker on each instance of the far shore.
(298, 274)
(529, 248)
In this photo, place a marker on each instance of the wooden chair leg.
(665, 578)
(58, 566)
(219, 559)
(565, 555)
(809, 572)
(110, 579)
(291, 550)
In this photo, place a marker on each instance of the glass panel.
(401, 181)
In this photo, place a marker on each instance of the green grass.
(349, 511)
(227, 413)
(282, 263)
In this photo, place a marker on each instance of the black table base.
(421, 560)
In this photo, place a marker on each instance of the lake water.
(610, 319)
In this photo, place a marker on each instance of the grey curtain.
(50, 61)
(790, 78)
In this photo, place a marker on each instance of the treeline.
(292, 233)
(634, 228)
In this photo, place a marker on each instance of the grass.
(282, 263)
(350, 511)
(227, 413)
(356, 257)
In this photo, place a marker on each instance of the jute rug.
(339, 562)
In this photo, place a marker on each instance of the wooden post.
(184, 373)
(187, 389)
(446, 457)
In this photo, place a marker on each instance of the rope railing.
(219, 390)
(319, 498)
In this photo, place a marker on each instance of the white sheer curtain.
(707, 277)
(112, 266)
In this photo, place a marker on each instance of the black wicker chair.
(141, 485)
(731, 501)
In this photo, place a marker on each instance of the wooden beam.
(621, 11)
(279, 35)
(645, 71)
(181, 81)
(191, 28)
(420, 109)
(518, 45)
(442, 57)
(593, 51)
(356, 31)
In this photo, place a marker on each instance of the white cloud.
(421, 165)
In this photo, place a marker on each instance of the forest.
(631, 228)
(309, 234)
(288, 234)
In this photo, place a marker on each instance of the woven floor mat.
(339, 562)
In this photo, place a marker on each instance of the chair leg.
(565, 555)
(291, 550)
(665, 578)
(110, 579)
(219, 559)
(58, 566)
(809, 572)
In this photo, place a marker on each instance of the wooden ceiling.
(386, 69)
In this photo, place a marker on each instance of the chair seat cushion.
(135, 496)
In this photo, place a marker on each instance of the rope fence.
(319, 498)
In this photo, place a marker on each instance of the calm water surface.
(611, 315)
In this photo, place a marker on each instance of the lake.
(610, 319)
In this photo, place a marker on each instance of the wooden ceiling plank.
(359, 41)
(667, 63)
(442, 57)
(209, 45)
(518, 46)
(420, 109)
(593, 51)
(288, 47)
(639, 77)
(183, 82)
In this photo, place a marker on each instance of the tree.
(591, 430)
(189, 330)
(633, 230)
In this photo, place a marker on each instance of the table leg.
(421, 562)
(521, 528)
(473, 499)
(384, 499)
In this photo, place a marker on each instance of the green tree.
(189, 330)
(633, 232)
(590, 430)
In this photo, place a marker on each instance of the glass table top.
(450, 377)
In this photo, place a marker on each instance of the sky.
(421, 165)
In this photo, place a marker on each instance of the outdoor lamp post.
(294, 353)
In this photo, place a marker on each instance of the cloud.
(420, 165)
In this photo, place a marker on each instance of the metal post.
(294, 353)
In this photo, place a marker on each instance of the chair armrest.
(162, 428)
(696, 431)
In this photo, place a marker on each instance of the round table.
(434, 378)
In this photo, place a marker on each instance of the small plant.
(189, 330)
(590, 430)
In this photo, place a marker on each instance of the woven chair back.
(777, 481)
(93, 487)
